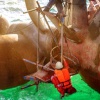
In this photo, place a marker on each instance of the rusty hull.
(12, 66)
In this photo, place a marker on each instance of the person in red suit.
(61, 79)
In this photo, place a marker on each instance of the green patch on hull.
(47, 91)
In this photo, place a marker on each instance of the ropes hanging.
(38, 39)
(62, 41)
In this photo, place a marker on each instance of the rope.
(62, 33)
(62, 42)
(38, 39)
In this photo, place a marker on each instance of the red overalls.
(61, 81)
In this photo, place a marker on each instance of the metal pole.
(47, 23)
(38, 38)
(31, 10)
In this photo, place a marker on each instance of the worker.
(92, 9)
(61, 79)
(59, 6)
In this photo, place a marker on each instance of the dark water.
(13, 10)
